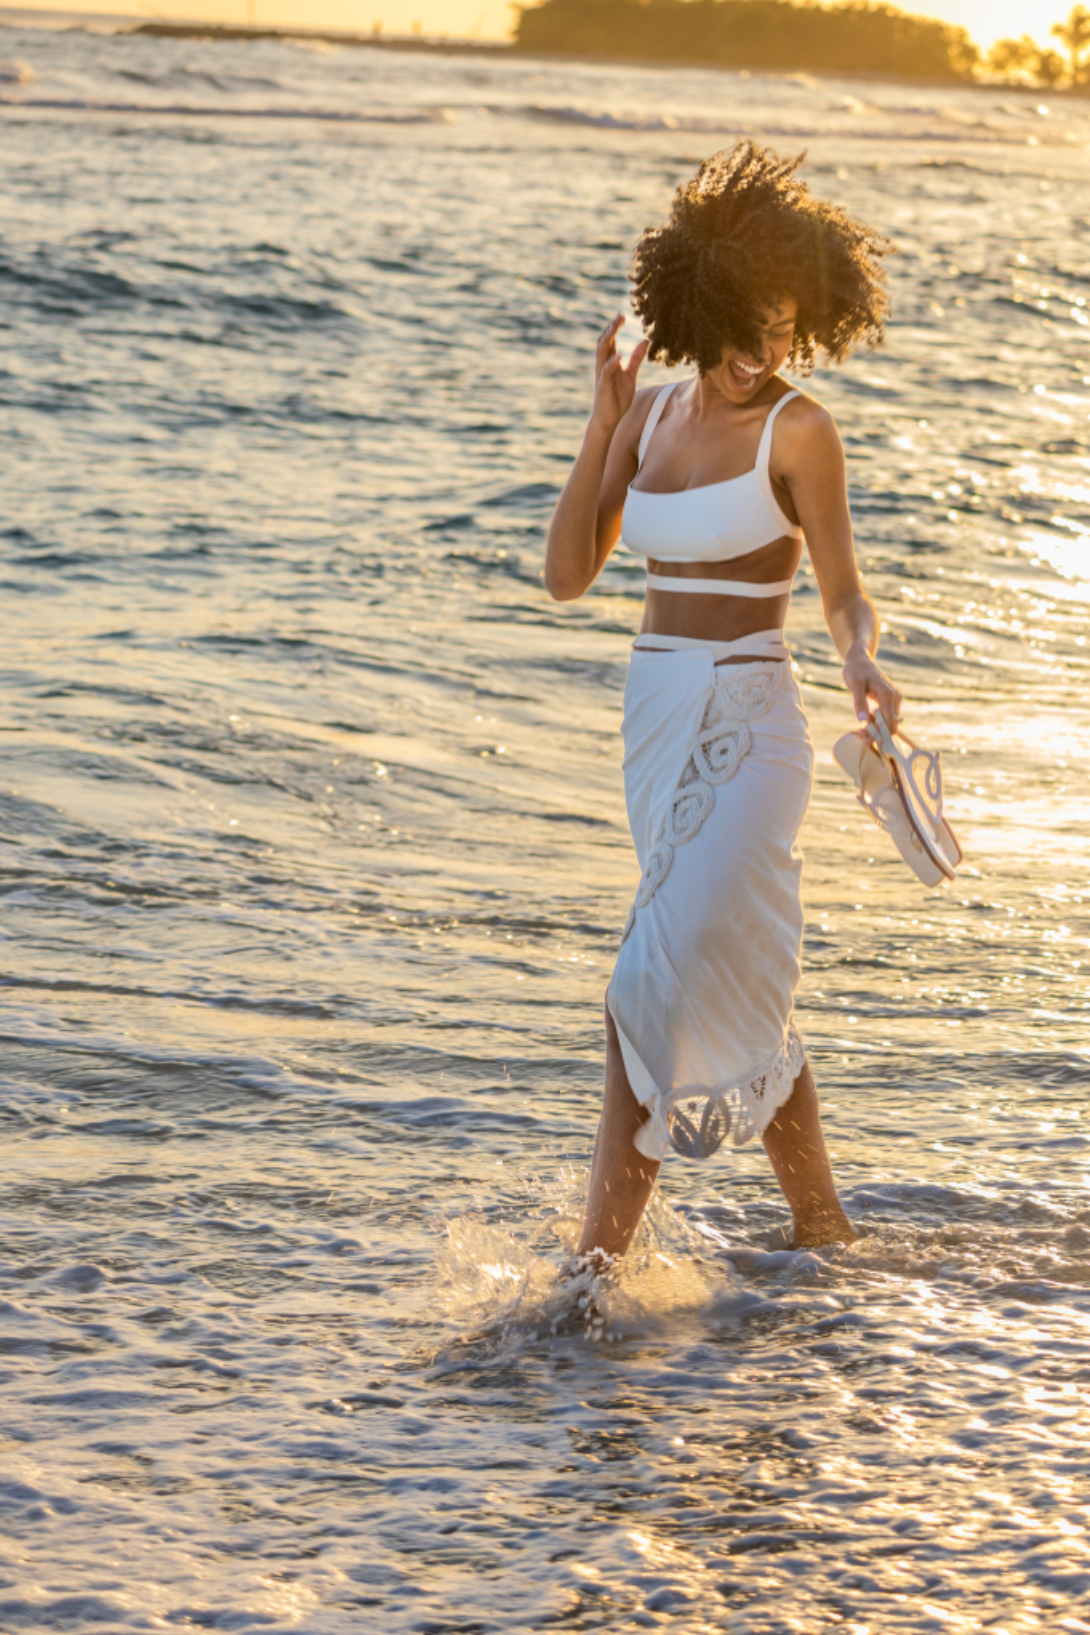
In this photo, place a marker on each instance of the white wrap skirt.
(718, 769)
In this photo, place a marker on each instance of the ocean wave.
(187, 76)
(603, 119)
(959, 132)
(187, 110)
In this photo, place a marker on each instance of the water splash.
(503, 1291)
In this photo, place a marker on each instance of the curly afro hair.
(742, 236)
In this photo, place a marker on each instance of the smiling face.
(740, 375)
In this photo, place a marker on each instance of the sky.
(986, 20)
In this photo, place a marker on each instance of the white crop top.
(712, 523)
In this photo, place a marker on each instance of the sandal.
(903, 794)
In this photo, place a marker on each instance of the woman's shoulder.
(645, 397)
(635, 419)
(803, 420)
(799, 405)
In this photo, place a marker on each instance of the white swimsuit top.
(712, 523)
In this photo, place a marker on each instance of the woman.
(717, 479)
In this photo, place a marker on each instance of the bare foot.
(820, 1231)
(596, 1262)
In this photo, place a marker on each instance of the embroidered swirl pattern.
(694, 1120)
(716, 750)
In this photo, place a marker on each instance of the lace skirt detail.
(718, 771)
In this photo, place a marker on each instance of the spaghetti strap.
(764, 448)
(652, 421)
(788, 529)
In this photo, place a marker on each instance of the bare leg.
(796, 1146)
(621, 1178)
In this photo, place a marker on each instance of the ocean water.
(315, 864)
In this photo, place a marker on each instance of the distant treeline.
(772, 34)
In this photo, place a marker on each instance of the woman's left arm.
(810, 464)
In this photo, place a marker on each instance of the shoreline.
(454, 46)
(443, 45)
(451, 45)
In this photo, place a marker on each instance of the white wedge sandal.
(903, 794)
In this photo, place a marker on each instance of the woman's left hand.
(865, 681)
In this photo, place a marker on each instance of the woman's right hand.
(614, 382)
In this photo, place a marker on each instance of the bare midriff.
(722, 618)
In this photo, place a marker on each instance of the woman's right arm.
(587, 521)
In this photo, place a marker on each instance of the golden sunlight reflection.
(1069, 557)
